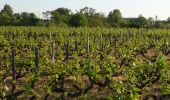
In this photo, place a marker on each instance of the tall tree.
(5, 19)
(89, 12)
(6, 15)
(150, 23)
(17, 19)
(95, 19)
(7, 9)
(60, 16)
(29, 19)
(168, 19)
(115, 18)
(141, 21)
(78, 20)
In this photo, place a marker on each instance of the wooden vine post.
(88, 45)
(13, 69)
(110, 39)
(67, 50)
(115, 41)
(76, 43)
(101, 42)
(50, 36)
(53, 51)
(36, 54)
(36, 58)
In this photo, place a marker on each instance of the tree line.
(85, 17)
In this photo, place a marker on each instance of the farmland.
(84, 63)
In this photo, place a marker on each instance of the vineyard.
(84, 63)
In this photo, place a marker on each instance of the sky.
(128, 8)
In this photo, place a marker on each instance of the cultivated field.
(84, 63)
